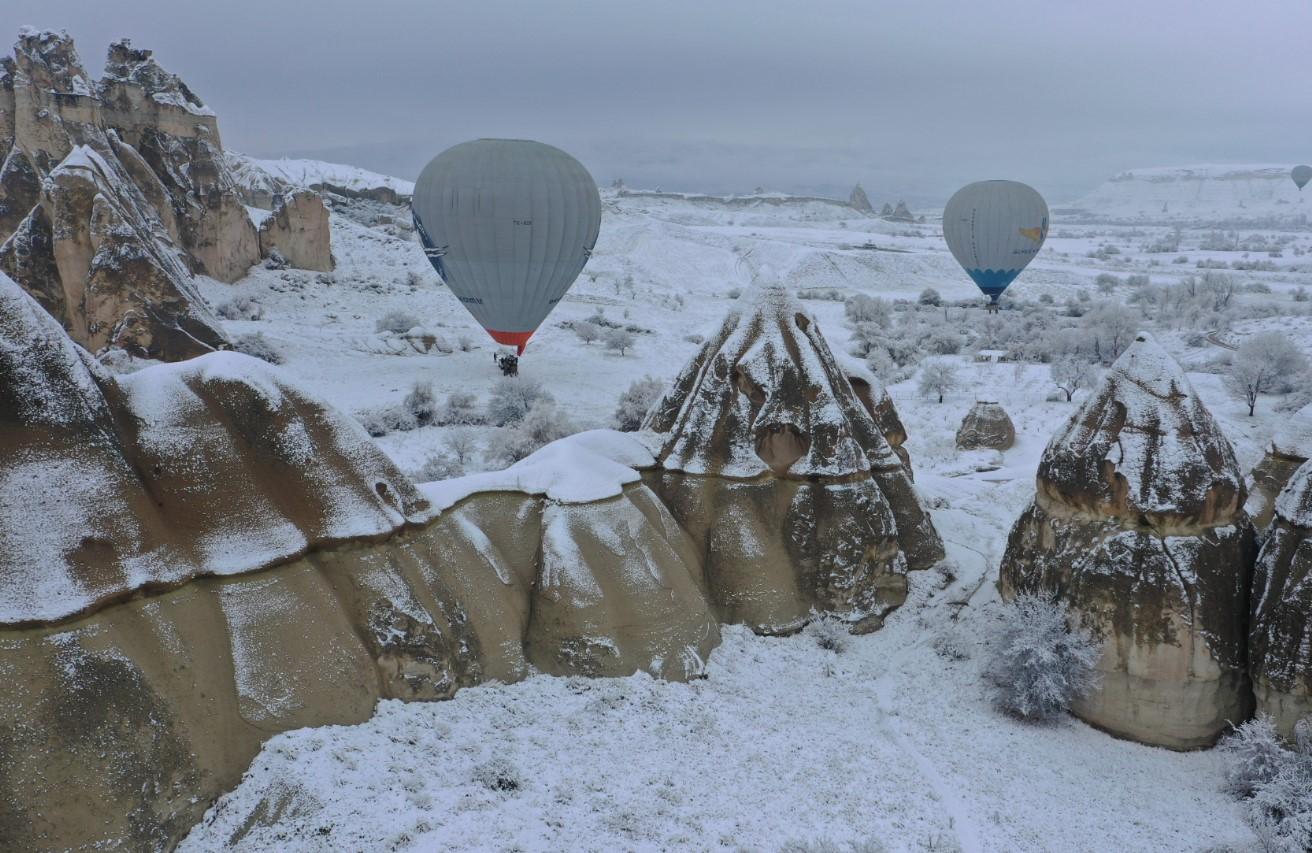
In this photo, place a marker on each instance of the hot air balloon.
(1301, 175)
(508, 224)
(994, 228)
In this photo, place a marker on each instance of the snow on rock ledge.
(1138, 525)
(1290, 447)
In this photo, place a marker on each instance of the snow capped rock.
(1143, 443)
(768, 457)
(1138, 526)
(126, 64)
(259, 178)
(298, 229)
(1290, 447)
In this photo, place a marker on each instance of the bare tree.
(587, 331)
(937, 378)
(621, 340)
(1070, 373)
(461, 444)
(1264, 363)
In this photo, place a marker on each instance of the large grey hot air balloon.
(1301, 175)
(508, 224)
(994, 228)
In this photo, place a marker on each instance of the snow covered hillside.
(891, 740)
(1214, 194)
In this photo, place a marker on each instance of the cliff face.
(115, 192)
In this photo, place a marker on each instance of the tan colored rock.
(858, 200)
(198, 556)
(298, 229)
(781, 476)
(876, 400)
(94, 254)
(986, 427)
(1138, 526)
(1280, 639)
(1290, 447)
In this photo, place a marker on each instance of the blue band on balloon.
(993, 282)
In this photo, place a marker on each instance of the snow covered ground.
(891, 740)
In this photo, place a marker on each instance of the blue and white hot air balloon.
(1301, 175)
(994, 229)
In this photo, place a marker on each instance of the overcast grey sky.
(911, 98)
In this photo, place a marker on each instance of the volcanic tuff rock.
(986, 426)
(1290, 447)
(859, 201)
(1280, 636)
(770, 461)
(876, 400)
(298, 229)
(1138, 524)
(195, 557)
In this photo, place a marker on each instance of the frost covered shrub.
(587, 331)
(636, 402)
(512, 399)
(498, 774)
(397, 322)
(421, 403)
(276, 260)
(861, 308)
(460, 408)
(439, 466)
(540, 426)
(1038, 666)
(1276, 780)
(829, 634)
(240, 308)
(258, 346)
(930, 296)
(824, 845)
(1254, 754)
(734, 292)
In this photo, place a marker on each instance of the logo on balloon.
(1035, 234)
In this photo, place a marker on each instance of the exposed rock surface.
(986, 427)
(859, 201)
(195, 557)
(298, 229)
(1290, 447)
(1280, 641)
(770, 461)
(1138, 524)
(877, 401)
(116, 191)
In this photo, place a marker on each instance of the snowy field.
(889, 741)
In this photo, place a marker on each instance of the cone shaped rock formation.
(1138, 525)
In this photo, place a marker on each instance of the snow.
(1203, 193)
(305, 173)
(582, 468)
(1294, 437)
(175, 99)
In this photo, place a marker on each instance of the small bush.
(1276, 781)
(587, 331)
(636, 402)
(1254, 754)
(734, 292)
(276, 260)
(540, 426)
(1038, 666)
(241, 308)
(258, 346)
(460, 408)
(829, 634)
(619, 340)
(396, 322)
(498, 774)
(421, 403)
(439, 466)
(512, 399)
(930, 296)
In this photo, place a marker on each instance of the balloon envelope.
(508, 224)
(994, 228)
(1301, 175)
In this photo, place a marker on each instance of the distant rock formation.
(901, 213)
(298, 229)
(111, 194)
(1138, 525)
(1290, 447)
(859, 201)
(886, 210)
(783, 479)
(1280, 639)
(986, 427)
(198, 556)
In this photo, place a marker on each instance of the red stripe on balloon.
(511, 339)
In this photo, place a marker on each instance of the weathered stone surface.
(298, 229)
(1280, 639)
(783, 479)
(1290, 447)
(986, 427)
(195, 557)
(1138, 525)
